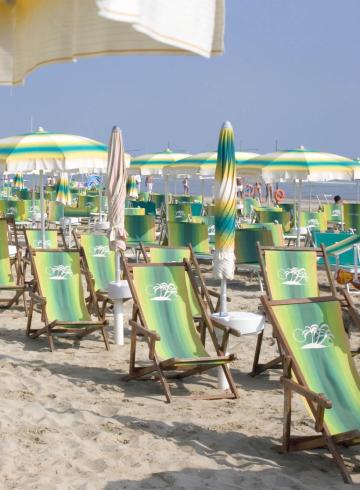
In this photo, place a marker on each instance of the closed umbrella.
(225, 211)
(131, 187)
(63, 194)
(18, 181)
(34, 33)
(116, 192)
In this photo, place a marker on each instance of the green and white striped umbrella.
(225, 205)
(63, 194)
(305, 165)
(18, 181)
(51, 152)
(204, 164)
(153, 163)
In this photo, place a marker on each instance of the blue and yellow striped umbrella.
(63, 194)
(18, 181)
(225, 205)
(51, 152)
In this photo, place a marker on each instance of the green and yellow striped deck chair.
(14, 209)
(162, 314)
(315, 220)
(182, 234)
(351, 216)
(80, 212)
(134, 211)
(342, 252)
(292, 273)
(33, 238)
(245, 244)
(333, 212)
(9, 282)
(318, 366)
(276, 229)
(89, 202)
(56, 211)
(275, 215)
(179, 212)
(30, 207)
(158, 199)
(140, 229)
(148, 206)
(60, 296)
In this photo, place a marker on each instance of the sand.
(69, 421)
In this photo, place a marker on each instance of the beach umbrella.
(63, 194)
(34, 33)
(116, 192)
(131, 187)
(301, 165)
(154, 163)
(48, 152)
(18, 181)
(225, 211)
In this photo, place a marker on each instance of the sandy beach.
(69, 421)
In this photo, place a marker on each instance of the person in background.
(138, 182)
(186, 186)
(149, 183)
(239, 188)
(337, 199)
(269, 193)
(257, 191)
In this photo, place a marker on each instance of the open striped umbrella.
(63, 194)
(225, 211)
(153, 163)
(18, 181)
(204, 164)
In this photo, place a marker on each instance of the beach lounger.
(292, 273)
(181, 234)
(276, 215)
(162, 314)
(8, 281)
(140, 229)
(60, 297)
(333, 213)
(319, 367)
(179, 212)
(351, 216)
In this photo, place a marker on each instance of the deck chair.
(179, 212)
(319, 367)
(163, 255)
(140, 229)
(60, 297)
(333, 212)
(8, 281)
(342, 252)
(100, 262)
(134, 211)
(314, 220)
(351, 216)
(292, 273)
(162, 315)
(276, 230)
(180, 234)
(275, 215)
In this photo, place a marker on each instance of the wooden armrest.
(140, 329)
(36, 298)
(318, 398)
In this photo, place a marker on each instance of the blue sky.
(290, 72)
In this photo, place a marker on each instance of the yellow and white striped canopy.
(153, 163)
(52, 152)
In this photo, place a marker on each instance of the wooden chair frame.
(38, 303)
(343, 296)
(317, 402)
(184, 367)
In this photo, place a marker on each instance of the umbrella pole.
(100, 205)
(33, 214)
(202, 192)
(42, 208)
(223, 296)
(118, 304)
(167, 196)
(298, 216)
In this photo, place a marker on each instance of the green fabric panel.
(148, 206)
(89, 202)
(134, 211)
(316, 220)
(344, 251)
(275, 215)
(158, 199)
(317, 340)
(167, 254)
(276, 231)
(13, 208)
(6, 277)
(28, 207)
(164, 299)
(60, 282)
(330, 239)
(140, 229)
(56, 211)
(246, 251)
(35, 241)
(100, 259)
(352, 215)
(291, 274)
(179, 212)
(71, 212)
(196, 209)
(249, 204)
(333, 212)
(181, 234)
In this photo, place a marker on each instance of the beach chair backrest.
(249, 204)
(6, 276)
(333, 212)
(163, 295)
(245, 244)
(277, 231)
(168, 254)
(55, 211)
(179, 212)
(158, 199)
(352, 216)
(140, 228)
(89, 202)
(196, 209)
(148, 206)
(315, 220)
(342, 252)
(59, 281)
(80, 212)
(274, 216)
(100, 259)
(313, 334)
(328, 239)
(291, 274)
(181, 234)
(34, 238)
(12, 208)
(134, 211)
(31, 207)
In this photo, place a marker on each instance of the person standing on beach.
(149, 183)
(186, 186)
(337, 199)
(269, 193)
(239, 188)
(257, 191)
(138, 182)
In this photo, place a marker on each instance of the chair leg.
(259, 341)
(105, 337)
(230, 380)
(132, 352)
(29, 318)
(335, 453)
(50, 338)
